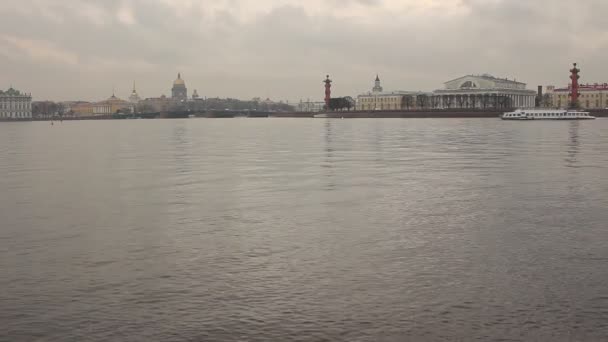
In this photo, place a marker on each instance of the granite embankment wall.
(413, 114)
(346, 115)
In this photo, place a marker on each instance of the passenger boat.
(546, 114)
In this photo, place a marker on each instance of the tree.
(448, 100)
(473, 103)
(339, 103)
(461, 101)
(504, 101)
(422, 101)
(485, 100)
(408, 101)
(494, 100)
(547, 100)
(435, 101)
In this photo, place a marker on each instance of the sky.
(282, 49)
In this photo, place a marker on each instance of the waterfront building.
(195, 95)
(310, 106)
(378, 99)
(592, 96)
(15, 104)
(134, 97)
(82, 108)
(160, 104)
(484, 91)
(111, 106)
(179, 91)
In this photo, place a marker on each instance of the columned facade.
(484, 92)
(112, 106)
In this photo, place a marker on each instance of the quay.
(381, 114)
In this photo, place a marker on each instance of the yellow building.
(81, 109)
(593, 96)
(111, 106)
(377, 99)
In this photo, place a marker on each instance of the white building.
(15, 105)
(484, 91)
(310, 106)
(378, 99)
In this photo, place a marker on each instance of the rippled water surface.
(304, 230)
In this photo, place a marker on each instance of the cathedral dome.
(179, 81)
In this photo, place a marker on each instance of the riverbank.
(403, 114)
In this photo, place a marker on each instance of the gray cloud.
(79, 49)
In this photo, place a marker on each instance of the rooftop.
(586, 87)
(13, 92)
(488, 77)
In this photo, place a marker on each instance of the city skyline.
(81, 50)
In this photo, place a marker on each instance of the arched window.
(468, 84)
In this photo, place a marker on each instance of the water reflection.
(329, 156)
(573, 144)
(281, 230)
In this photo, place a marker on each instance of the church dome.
(179, 81)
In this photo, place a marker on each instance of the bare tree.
(408, 101)
(473, 103)
(547, 100)
(485, 100)
(448, 100)
(460, 100)
(422, 101)
(435, 101)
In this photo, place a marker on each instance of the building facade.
(111, 106)
(378, 99)
(482, 92)
(310, 106)
(15, 105)
(82, 109)
(160, 104)
(593, 96)
(179, 92)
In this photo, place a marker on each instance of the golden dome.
(179, 80)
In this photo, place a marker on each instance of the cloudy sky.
(82, 49)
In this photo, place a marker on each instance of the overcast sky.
(282, 49)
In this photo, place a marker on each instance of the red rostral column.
(327, 91)
(574, 88)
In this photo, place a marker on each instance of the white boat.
(546, 114)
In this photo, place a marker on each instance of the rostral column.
(327, 91)
(574, 88)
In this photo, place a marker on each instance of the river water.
(304, 230)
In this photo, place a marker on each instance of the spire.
(377, 87)
(134, 87)
(179, 75)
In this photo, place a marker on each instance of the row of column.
(517, 101)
